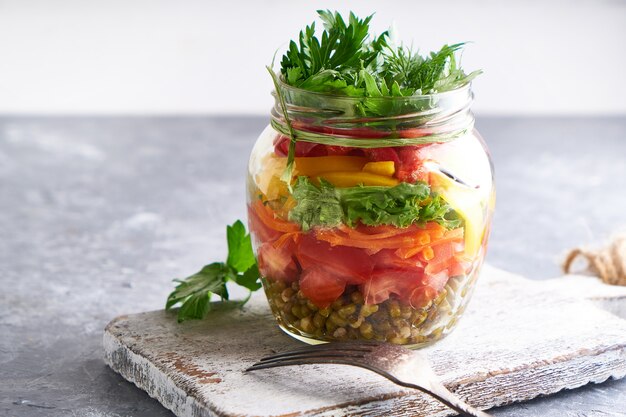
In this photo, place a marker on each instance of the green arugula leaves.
(194, 292)
(399, 206)
(346, 62)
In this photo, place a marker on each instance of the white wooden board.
(518, 339)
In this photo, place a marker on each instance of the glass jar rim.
(465, 88)
(304, 103)
(335, 119)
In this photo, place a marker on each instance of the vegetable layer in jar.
(376, 243)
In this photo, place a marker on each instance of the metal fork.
(400, 365)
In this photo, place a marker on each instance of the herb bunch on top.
(347, 61)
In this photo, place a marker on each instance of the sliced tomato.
(444, 258)
(410, 286)
(352, 264)
(388, 259)
(437, 281)
(332, 150)
(385, 282)
(281, 147)
(321, 286)
(459, 267)
(379, 287)
(411, 166)
(276, 262)
(421, 296)
(382, 154)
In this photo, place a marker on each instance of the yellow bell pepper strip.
(353, 179)
(466, 202)
(276, 188)
(284, 209)
(268, 178)
(385, 168)
(315, 165)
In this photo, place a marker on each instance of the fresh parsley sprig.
(341, 48)
(345, 61)
(194, 293)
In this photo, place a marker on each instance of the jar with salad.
(370, 194)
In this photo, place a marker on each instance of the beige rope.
(609, 262)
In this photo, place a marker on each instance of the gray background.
(97, 215)
(540, 57)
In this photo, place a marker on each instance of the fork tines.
(336, 352)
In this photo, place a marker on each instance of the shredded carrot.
(424, 239)
(449, 236)
(426, 232)
(377, 233)
(268, 217)
(406, 253)
(338, 238)
(283, 239)
(428, 253)
(436, 234)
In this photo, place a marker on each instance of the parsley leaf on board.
(400, 206)
(194, 292)
(240, 255)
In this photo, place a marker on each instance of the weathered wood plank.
(519, 339)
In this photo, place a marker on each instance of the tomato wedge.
(444, 258)
(353, 265)
(281, 147)
(321, 286)
(333, 150)
(382, 154)
(421, 296)
(411, 165)
(277, 262)
(461, 266)
(437, 281)
(387, 259)
(385, 282)
(410, 286)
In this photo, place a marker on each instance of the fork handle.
(440, 392)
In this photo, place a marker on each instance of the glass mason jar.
(377, 227)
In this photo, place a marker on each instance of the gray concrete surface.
(97, 215)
